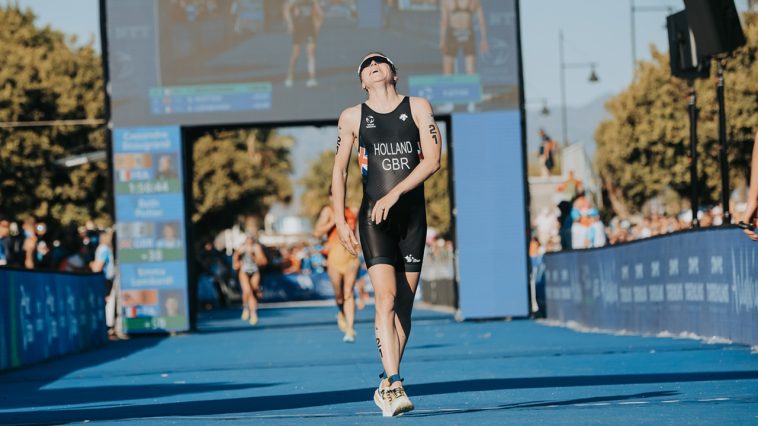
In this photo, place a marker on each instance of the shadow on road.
(316, 399)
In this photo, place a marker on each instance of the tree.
(238, 172)
(437, 193)
(316, 195)
(43, 77)
(643, 149)
(318, 178)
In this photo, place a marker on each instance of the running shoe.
(288, 82)
(349, 337)
(399, 403)
(383, 398)
(311, 83)
(253, 319)
(245, 315)
(342, 322)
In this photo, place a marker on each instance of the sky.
(594, 31)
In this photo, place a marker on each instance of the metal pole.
(722, 139)
(634, 37)
(564, 129)
(693, 154)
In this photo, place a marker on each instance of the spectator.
(547, 151)
(571, 187)
(29, 244)
(104, 261)
(749, 221)
(5, 241)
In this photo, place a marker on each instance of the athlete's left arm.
(484, 44)
(260, 257)
(318, 16)
(430, 147)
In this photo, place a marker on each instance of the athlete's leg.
(293, 62)
(336, 279)
(255, 293)
(348, 295)
(385, 291)
(470, 64)
(406, 293)
(311, 52)
(246, 294)
(447, 64)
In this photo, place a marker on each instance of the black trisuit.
(389, 149)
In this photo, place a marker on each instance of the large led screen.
(182, 62)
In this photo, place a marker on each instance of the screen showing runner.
(266, 61)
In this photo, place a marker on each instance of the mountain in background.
(581, 124)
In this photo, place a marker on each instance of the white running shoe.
(379, 398)
(392, 402)
(311, 83)
(400, 403)
(288, 82)
(245, 315)
(349, 336)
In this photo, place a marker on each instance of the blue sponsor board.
(439, 89)
(163, 275)
(212, 98)
(490, 144)
(703, 282)
(150, 222)
(44, 315)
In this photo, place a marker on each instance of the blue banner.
(150, 221)
(704, 283)
(491, 222)
(44, 315)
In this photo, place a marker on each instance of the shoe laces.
(398, 392)
(387, 394)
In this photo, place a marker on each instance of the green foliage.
(318, 178)
(238, 172)
(643, 149)
(42, 77)
(437, 193)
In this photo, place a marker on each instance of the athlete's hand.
(382, 207)
(749, 230)
(347, 238)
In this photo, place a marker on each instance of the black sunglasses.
(379, 60)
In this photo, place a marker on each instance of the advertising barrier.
(46, 314)
(700, 282)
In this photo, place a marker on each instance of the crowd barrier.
(701, 282)
(47, 314)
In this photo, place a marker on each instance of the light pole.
(544, 110)
(634, 9)
(564, 65)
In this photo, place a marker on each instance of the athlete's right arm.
(347, 135)
(324, 223)
(443, 23)
(287, 15)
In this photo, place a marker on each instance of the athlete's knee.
(385, 302)
(348, 293)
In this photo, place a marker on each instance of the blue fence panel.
(44, 315)
(703, 282)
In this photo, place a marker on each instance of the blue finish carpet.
(294, 369)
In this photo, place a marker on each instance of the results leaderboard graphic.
(150, 216)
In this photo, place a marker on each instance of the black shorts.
(399, 240)
(460, 39)
(303, 32)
